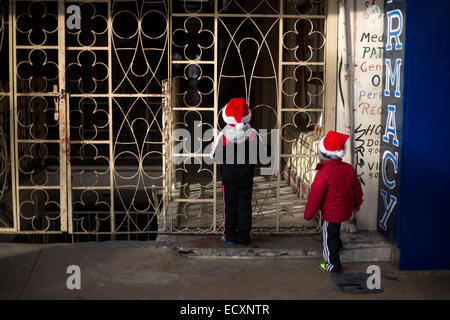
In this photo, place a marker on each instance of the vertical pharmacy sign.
(391, 117)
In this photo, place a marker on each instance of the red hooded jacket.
(335, 190)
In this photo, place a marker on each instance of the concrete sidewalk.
(156, 270)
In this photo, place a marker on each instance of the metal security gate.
(88, 114)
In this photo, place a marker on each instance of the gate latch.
(59, 101)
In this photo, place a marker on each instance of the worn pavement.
(143, 270)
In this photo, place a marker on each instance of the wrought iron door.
(84, 107)
(274, 54)
(8, 217)
(117, 72)
(39, 113)
(88, 115)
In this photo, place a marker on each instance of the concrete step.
(364, 246)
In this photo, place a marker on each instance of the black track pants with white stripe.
(331, 242)
(237, 212)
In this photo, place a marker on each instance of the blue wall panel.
(425, 177)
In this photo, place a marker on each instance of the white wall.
(367, 69)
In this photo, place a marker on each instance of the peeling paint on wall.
(367, 63)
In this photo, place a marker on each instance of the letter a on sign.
(391, 128)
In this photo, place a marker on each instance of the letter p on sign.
(374, 280)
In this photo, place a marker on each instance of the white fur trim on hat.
(232, 120)
(339, 153)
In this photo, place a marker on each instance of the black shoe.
(243, 242)
(336, 270)
(222, 238)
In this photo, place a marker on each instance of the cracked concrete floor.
(119, 270)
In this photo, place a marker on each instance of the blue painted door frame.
(424, 208)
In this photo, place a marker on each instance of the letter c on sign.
(388, 155)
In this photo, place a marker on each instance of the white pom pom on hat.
(236, 111)
(333, 144)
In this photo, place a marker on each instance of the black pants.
(237, 211)
(331, 240)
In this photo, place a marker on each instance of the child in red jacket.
(336, 190)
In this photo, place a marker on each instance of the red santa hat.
(237, 112)
(333, 144)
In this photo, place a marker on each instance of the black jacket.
(238, 152)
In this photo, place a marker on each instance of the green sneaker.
(323, 266)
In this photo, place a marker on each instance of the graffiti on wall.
(368, 41)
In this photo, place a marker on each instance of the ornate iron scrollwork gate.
(87, 115)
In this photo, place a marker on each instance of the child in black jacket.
(236, 150)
